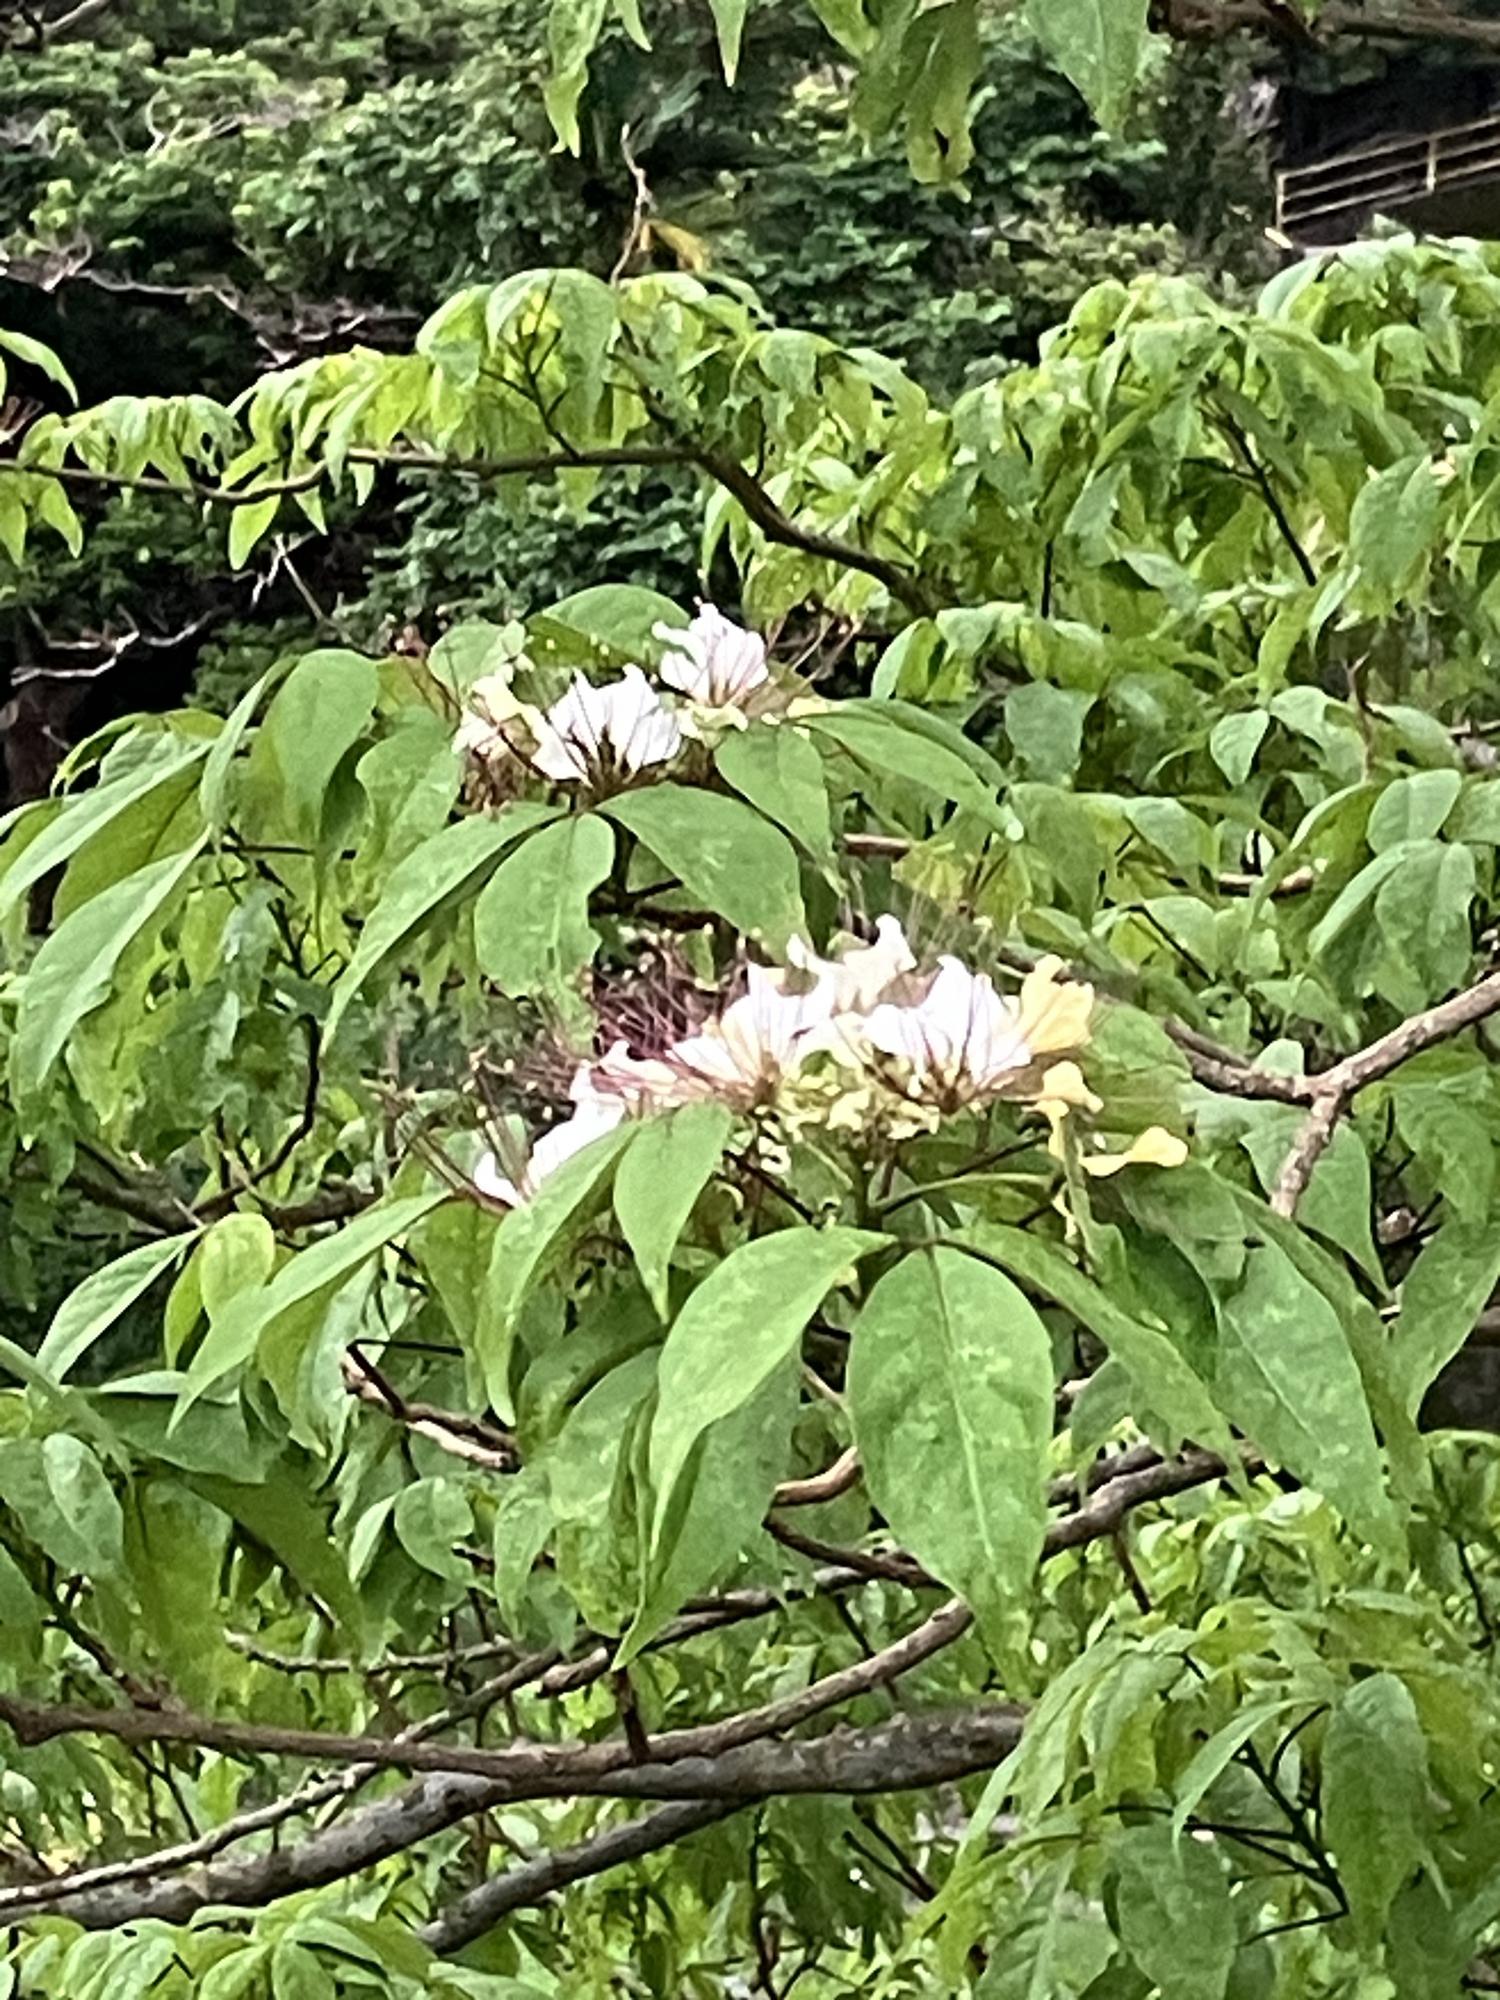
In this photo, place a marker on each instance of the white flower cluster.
(597, 735)
(897, 1040)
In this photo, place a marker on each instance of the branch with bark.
(720, 1764)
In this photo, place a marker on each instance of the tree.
(792, 1289)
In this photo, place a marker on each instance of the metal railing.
(1356, 184)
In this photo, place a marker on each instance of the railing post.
(1432, 162)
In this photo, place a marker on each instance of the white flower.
(602, 731)
(960, 1038)
(713, 661)
(860, 975)
(738, 1056)
(481, 733)
(593, 1116)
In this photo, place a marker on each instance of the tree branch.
(1332, 1090)
(532, 1882)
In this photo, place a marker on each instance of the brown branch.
(531, 1882)
(908, 1753)
(466, 1437)
(722, 1761)
(840, 1477)
(772, 520)
(1333, 1089)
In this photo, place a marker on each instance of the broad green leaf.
(288, 1521)
(1160, 1373)
(1174, 1912)
(739, 1324)
(447, 865)
(660, 1176)
(1374, 1796)
(1392, 526)
(607, 625)
(75, 969)
(1234, 740)
(237, 1255)
(1213, 1758)
(527, 1244)
(717, 1504)
(881, 737)
(1098, 45)
(950, 1391)
(86, 1501)
(40, 356)
(1045, 724)
(1413, 808)
(1422, 910)
(247, 523)
(163, 759)
(236, 1332)
(781, 774)
(1442, 1296)
(213, 788)
(57, 1490)
(531, 921)
(89, 1311)
(432, 1516)
(320, 712)
(727, 857)
(1285, 1376)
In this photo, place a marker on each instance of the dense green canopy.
(785, 1293)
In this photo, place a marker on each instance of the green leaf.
(717, 1504)
(247, 523)
(319, 714)
(1213, 1758)
(447, 865)
(781, 774)
(727, 857)
(164, 758)
(1045, 724)
(1336, 1203)
(573, 27)
(607, 625)
(432, 1516)
(660, 1176)
(1374, 1796)
(950, 1391)
(531, 922)
(236, 1332)
(1285, 1375)
(237, 1255)
(1422, 910)
(86, 1501)
(74, 972)
(1234, 740)
(1412, 808)
(1392, 526)
(528, 1243)
(740, 1323)
(1099, 46)
(1174, 1913)
(729, 24)
(89, 1311)
(37, 355)
(881, 736)
(1160, 1373)
(1442, 1297)
(288, 1521)
(213, 789)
